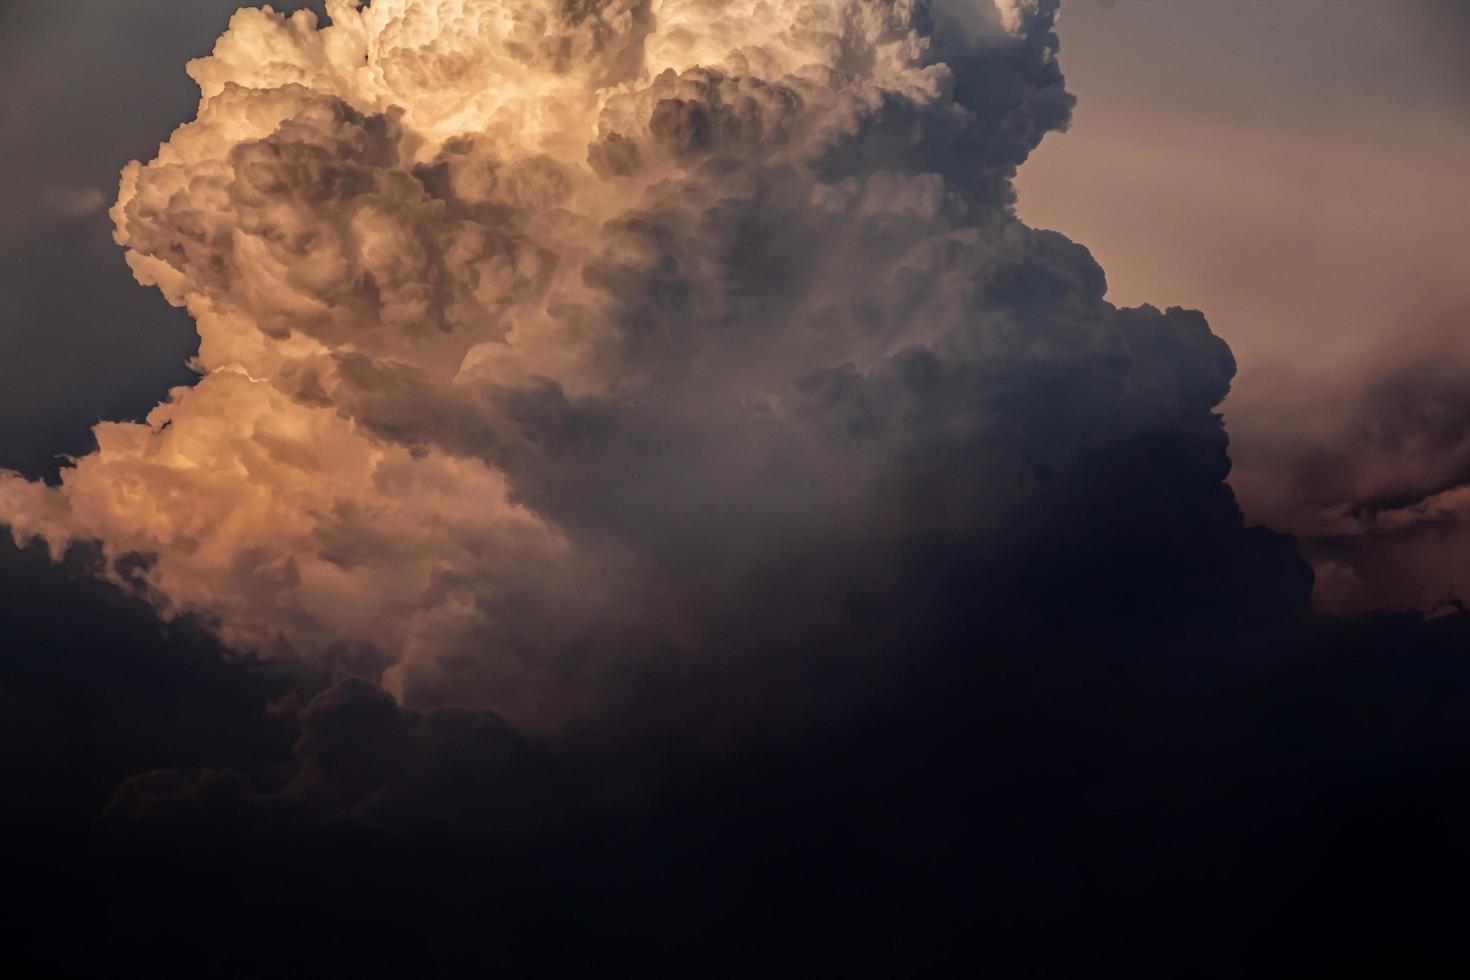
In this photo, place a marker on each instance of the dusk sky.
(1296, 170)
(701, 488)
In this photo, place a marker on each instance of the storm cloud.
(519, 323)
(646, 503)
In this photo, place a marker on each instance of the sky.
(852, 487)
(1295, 170)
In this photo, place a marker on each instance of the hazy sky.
(1295, 169)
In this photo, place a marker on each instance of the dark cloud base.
(1217, 791)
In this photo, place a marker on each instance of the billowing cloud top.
(526, 324)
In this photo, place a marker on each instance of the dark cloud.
(958, 659)
(97, 688)
(1256, 797)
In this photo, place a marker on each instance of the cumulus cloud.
(660, 495)
(529, 325)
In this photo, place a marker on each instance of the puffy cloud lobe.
(528, 324)
(278, 522)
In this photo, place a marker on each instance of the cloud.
(95, 689)
(1373, 478)
(1284, 157)
(362, 762)
(520, 329)
(670, 514)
